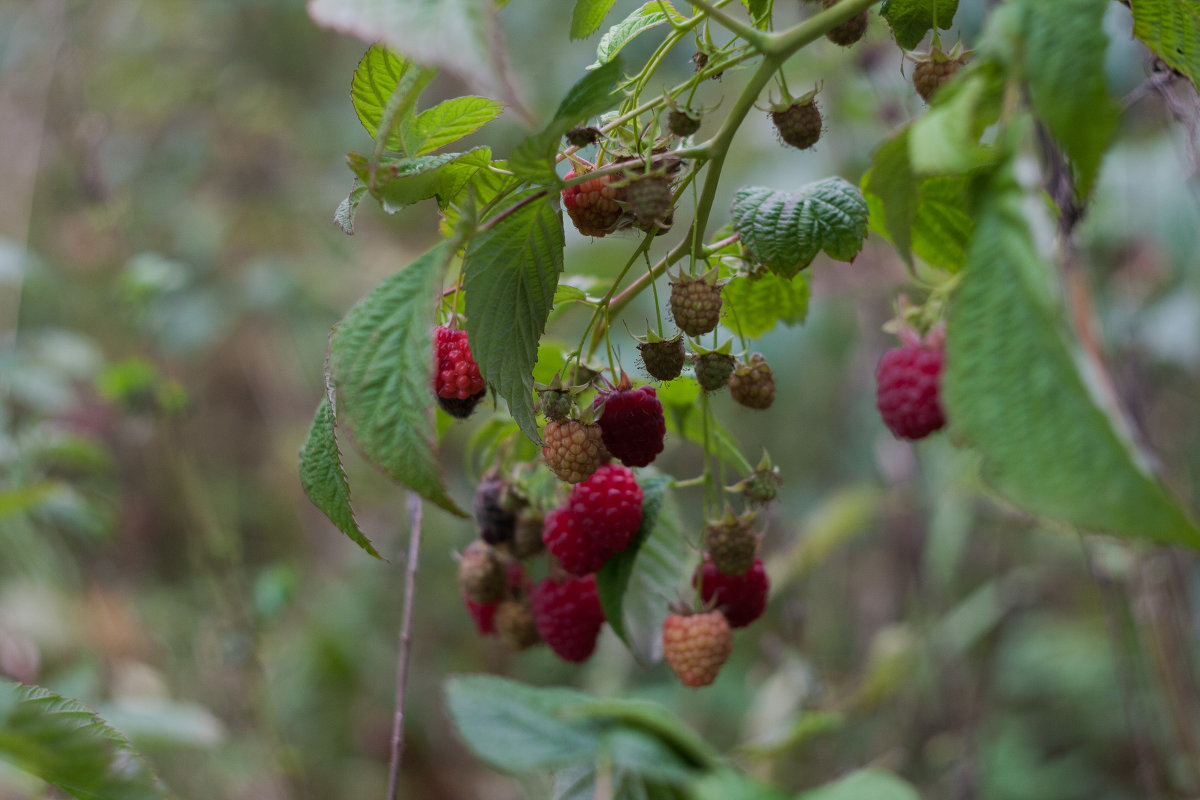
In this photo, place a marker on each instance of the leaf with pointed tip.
(1014, 390)
(786, 230)
(460, 36)
(400, 182)
(447, 122)
(381, 363)
(511, 272)
(1171, 29)
(382, 82)
(67, 745)
(592, 94)
(324, 480)
(912, 19)
(650, 15)
(587, 16)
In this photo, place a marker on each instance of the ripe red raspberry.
(731, 542)
(798, 124)
(571, 543)
(695, 304)
(713, 370)
(752, 383)
(568, 616)
(663, 358)
(609, 506)
(696, 646)
(907, 390)
(457, 373)
(742, 598)
(632, 424)
(592, 205)
(572, 449)
(849, 31)
(936, 72)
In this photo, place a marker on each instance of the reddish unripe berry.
(696, 646)
(592, 205)
(632, 425)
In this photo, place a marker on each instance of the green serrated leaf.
(324, 481)
(344, 216)
(1063, 48)
(67, 745)
(612, 581)
(460, 36)
(380, 360)
(755, 304)
(912, 19)
(865, 784)
(447, 122)
(382, 82)
(592, 94)
(648, 16)
(786, 230)
(1171, 29)
(485, 186)
(511, 271)
(400, 182)
(587, 16)
(1014, 390)
(516, 728)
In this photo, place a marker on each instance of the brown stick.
(410, 579)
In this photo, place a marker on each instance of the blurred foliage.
(159, 562)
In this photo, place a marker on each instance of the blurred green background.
(169, 272)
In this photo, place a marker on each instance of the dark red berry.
(571, 544)
(908, 385)
(632, 425)
(742, 598)
(568, 616)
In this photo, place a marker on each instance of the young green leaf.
(1014, 390)
(1171, 29)
(383, 82)
(400, 182)
(632, 583)
(1063, 48)
(865, 784)
(649, 15)
(786, 230)
(447, 122)
(460, 36)
(67, 745)
(511, 271)
(380, 358)
(592, 94)
(517, 728)
(912, 19)
(323, 479)
(587, 16)
(755, 304)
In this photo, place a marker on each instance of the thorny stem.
(410, 576)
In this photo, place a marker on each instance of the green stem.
(756, 38)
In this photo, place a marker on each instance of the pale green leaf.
(511, 272)
(755, 304)
(447, 122)
(1064, 46)
(786, 230)
(1014, 389)
(1171, 29)
(891, 192)
(324, 480)
(592, 94)
(381, 363)
(632, 583)
(460, 36)
(650, 15)
(517, 728)
(587, 16)
(652, 718)
(865, 784)
(384, 82)
(912, 19)
(400, 182)
(726, 784)
(67, 745)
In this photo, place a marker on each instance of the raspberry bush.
(633, 157)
